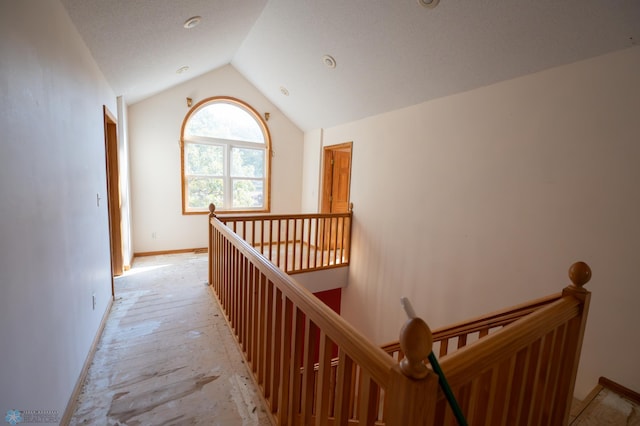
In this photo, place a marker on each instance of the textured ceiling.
(390, 53)
(140, 44)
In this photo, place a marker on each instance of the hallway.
(166, 356)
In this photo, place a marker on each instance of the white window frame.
(227, 145)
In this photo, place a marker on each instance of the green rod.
(447, 390)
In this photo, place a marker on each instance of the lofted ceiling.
(389, 53)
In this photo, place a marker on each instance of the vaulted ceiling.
(389, 53)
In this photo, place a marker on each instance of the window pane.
(248, 193)
(225, 121)
(246, 162)
(202, 159)
(201, 191)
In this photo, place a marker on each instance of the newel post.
(212, 214)
(413, 390)
(579, 274)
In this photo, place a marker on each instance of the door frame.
(113, 194)
(327, 173)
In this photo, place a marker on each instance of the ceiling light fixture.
(329, 61)
(182, 69)
(284, 91)
(428, 3)
(192, 22)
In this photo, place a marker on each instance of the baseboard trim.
(71, 405)
(157, 253)
(619, 389)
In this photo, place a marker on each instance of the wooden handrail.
(467, 361)
(482, 325)
(250, 218)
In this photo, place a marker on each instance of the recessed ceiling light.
(284, 91)
(182, 69)
(329, 61)
(429, 3)
(192, 22)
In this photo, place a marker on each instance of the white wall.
(54, 239)
(311, 167)
(124, 182)
(484, 199)
(154, 134)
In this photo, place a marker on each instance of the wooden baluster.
(278, 237)
(286, 351)
(285, 267)
(276, 377)
(269, 339)
(242, 298)
(295, 377)
(301, 244)
(462, 341)
(270, 240)
(368, 398)
(293, 251)
(226, 258)
(260, 355)
(503, 393)
(343, 388)
(555, 373)
(308, 373)
(316, 242)
(254, 234)
(444, 347)
(324, 378)
(333, 381)
(212, 214)
(261, 236)
(343, 235)
(308, 241)
(322, 243)
(255, 321)
(335, 239)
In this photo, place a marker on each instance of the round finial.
(579, 274)
(416, 343)
(212, 209)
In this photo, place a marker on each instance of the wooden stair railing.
(520, 370)
(455, 336)
(298, 242)
(516, 366)
(284, 331)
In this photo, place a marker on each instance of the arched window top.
(224, 119)
(226, 158)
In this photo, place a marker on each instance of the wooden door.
(113, 192)
(336, 182)
(336, 187)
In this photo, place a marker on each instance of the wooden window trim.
(268, 154)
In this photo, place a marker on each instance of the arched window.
(225, 150)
